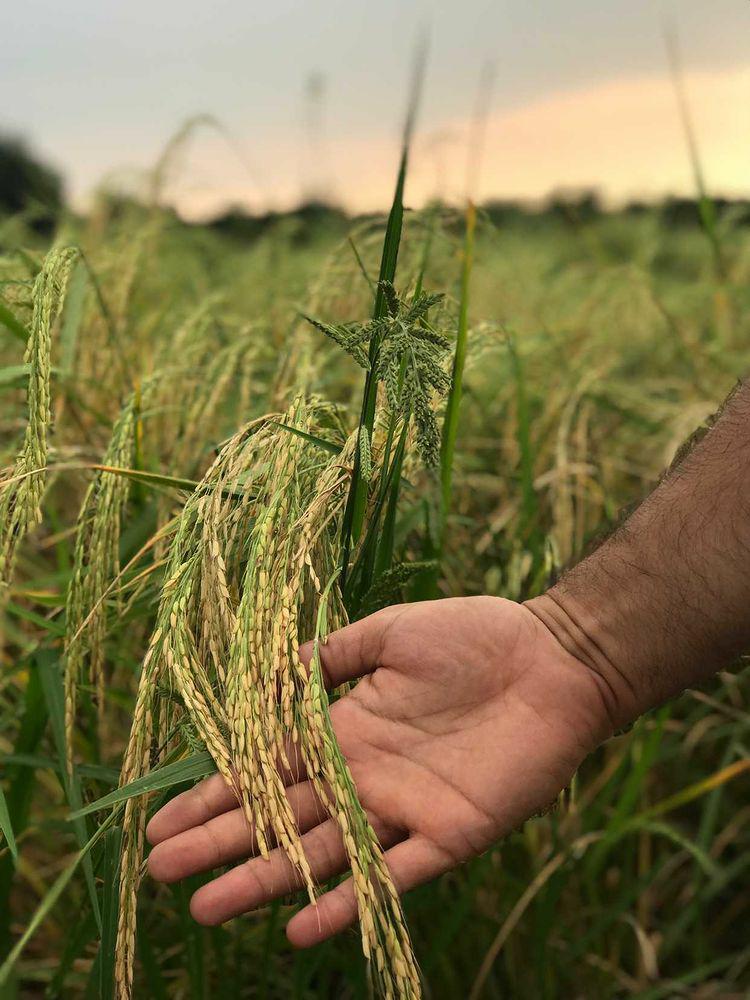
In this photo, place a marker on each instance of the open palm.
(469, 717)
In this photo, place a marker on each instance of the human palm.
(469, 717)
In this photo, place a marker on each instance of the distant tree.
(25, 182)
(302, 223)
(573, 206)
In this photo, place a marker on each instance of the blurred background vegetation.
(598, 341)
(609, 317)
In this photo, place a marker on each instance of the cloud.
(624, 136)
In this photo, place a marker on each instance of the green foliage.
(198, 765)
(6, 827)
(411, 357)
(389, 586)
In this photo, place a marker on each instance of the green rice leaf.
(44, 908)
(14, 374)
(387, 540)
(329, 446)
(13, 325)
(96, 771)
(152, 972)
(52, 685)
(6, 828)
(50, 625)
(20, 792)
(354, 513)
(111, 880)
(450, 424)
(151, 478)
(198, 765)
(361, 265)
(157, 479)
(704, 861)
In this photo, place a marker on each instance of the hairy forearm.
(665, 601)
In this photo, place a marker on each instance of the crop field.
(190, 474)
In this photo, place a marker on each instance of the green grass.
(592, 350)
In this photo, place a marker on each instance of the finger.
(224, 838)
(353, 651)
(207, 799)
(259, 881)
(210, 798)
(411, 863)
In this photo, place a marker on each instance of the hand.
(469, 718)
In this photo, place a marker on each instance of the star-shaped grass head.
(407, 355)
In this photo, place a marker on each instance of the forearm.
(665, 601)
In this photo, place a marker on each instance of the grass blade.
(111, 879)
(426, 249)
(6, 827)
(706, 207)
(329, 446)
(12, 375)
(198, 765)
(363, 269)
(151, 478)
(193, 937)
(49, 625)
(46, 905)
(12, 324)
(696, 790)
(52, 685)
(386, 543)
(362, 573)
(152, 973)
(96, 771)
(173, 482)
(529, 501)
(450, 424)
(20, 792)
(357, 500)
(630, 794)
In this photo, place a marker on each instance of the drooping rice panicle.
(95, 564)
(245, 569)
(21, 494)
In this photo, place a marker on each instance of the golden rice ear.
(136, 763)
(254, 559)
(95, 567)
(21, 495)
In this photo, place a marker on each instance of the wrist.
(582, 633)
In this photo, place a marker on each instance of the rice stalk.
(253, 544)
(95, 564)
(216, 376)
(20, 501)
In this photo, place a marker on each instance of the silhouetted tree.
(26, 183)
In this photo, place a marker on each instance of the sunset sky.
(582, 95)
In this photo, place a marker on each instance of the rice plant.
(196, 483)
(20, 506)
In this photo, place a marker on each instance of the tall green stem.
(450, 425)
(356, 505)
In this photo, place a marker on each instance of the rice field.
(217, 447)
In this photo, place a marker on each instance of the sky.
(309, 96)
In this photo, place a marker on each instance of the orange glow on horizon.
(623, 138)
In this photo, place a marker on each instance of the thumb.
(353, 651)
